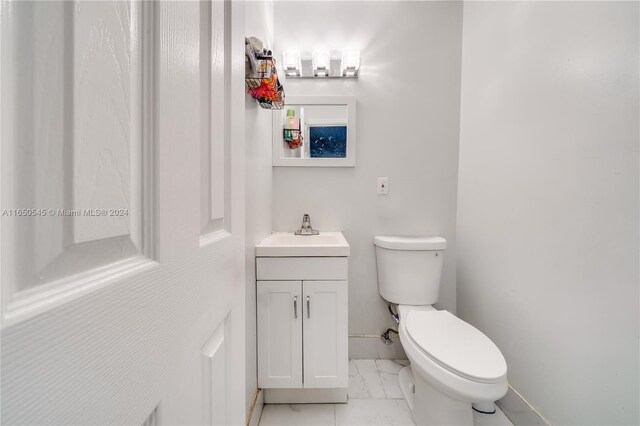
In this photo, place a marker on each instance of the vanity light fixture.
(321, 63)
(292, 64)
(350, 63)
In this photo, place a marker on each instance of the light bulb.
(350, 63)
(321, 62)
(291, 63)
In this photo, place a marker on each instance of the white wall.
(408, 116)
(258, 23)
(548, 201)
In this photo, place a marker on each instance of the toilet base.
(484, 407)
(431, 407)
(407, 386)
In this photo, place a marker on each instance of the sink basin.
(286, 244)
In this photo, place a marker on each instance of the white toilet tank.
(409, 268)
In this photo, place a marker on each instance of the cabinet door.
(326, 363)
(279, 334)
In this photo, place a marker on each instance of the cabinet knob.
(308, 306)
(295, 306)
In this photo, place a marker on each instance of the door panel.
(215, 52)
(214, 368)
(325, 334)
(279, 318)
(73, 145)
(105, 317)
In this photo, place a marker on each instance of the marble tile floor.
(374, 399)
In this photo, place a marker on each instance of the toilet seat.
(456, 345)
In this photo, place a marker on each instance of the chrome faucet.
(306, 228)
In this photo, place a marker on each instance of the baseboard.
(519, 411)
(371, 347)
(305, 396)
(256, 409)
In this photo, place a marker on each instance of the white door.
(122, 212)
(326, 363)
(279, 334)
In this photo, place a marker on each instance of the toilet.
(452, 364)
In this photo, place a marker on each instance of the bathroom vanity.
(302, 317)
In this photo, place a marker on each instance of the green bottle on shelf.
(291, 116)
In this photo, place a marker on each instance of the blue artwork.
(328, 141)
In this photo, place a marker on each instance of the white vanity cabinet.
(302, 326)
(302, 334)
(279, 334)
(324, 330)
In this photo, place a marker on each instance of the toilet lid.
(457, 346)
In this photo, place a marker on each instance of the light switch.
(383, 186)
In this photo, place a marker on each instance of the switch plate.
(383, 186)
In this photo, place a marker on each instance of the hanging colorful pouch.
(261, 77)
